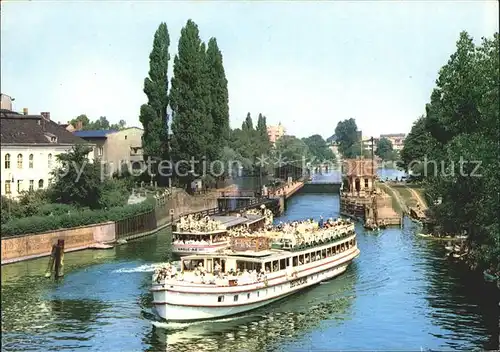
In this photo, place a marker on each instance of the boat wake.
(182, 325)
(145, 268)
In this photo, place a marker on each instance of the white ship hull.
(178, 303)
(188, 249)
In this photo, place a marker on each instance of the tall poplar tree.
(192, 125)
(153, 115)
(262, 136)
(219, 96)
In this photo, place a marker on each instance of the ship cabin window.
(323, 254)
(282, 264)
(338, 249)
(295, 261)
(276, 266)
(188, 265)
(307, 258)
(267, 267)
(328, 252)
(248, 295)
(220, 299)
(258, 293)
(235, 298)
(244, 266)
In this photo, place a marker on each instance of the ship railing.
(209, 279)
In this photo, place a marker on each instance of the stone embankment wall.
(39, 245)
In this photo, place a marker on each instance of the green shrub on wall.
(65, 219)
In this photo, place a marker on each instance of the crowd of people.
(191, 223)
(199, 240)
(309, 232)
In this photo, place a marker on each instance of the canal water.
(400, 294)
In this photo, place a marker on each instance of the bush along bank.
(57, 220)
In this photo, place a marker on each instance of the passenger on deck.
(321, 222)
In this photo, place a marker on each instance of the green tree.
(80, 118)
(77, 181)
(122, 124)
(291, 150)
(318, 149)
(384, 149)
(248, 123)
(458, 133)
(348, 138)
(219, 96)
(417, 147)
(192, 124)
(263, 145)
(153, 115)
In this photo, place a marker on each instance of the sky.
(306, 64)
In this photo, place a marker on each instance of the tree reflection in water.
(463, 304)
(287, 320)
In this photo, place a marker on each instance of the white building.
(29, 146)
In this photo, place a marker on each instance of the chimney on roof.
(45, 115)
(25, 111)
(79, 125)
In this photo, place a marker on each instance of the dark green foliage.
(219, 96)
(318, 149)
(384, 150)
(291, 150)
(113, 193)
(251, 145)
(348, 138)
(459, 132)
(263, 144)
(59, 220)
(417, 146)
(101, 123)
(10, 209)
(190, 100)
(77, 181)
(153, 115)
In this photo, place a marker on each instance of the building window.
(125, 137)
(40, 184)
(49, 161)
(220, 299)
(7, 161)
(7, 186)
(32, 185)
(100, 151)
(30, 161)
(366, 183)
(19, 186)
(19, 161)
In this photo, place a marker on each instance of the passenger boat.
(212, 234)
(257, 270)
